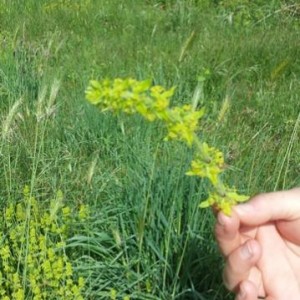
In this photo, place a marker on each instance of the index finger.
(227, 232)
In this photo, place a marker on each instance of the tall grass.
(146, 237)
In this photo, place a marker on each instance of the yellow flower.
(208, 164)
(113, 294)
(81, 282)
(20, 212)
(5, 252)
(69, 270)
(66, 211)
(182, 123)
(153, 103)
(19, 295)
(83, 212)
(9, 213)
(224, 202)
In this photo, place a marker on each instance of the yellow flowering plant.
(33, 261)
(182, 123)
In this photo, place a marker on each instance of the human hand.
(261, 245)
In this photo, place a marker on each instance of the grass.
(146, 237)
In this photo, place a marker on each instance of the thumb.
(275, 206)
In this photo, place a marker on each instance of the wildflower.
(113, 294)
(153, 103)
(83, 212)
(30, 222)
(182, 123)
(224, 202)
(209, 164)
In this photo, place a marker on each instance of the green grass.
(146, 237)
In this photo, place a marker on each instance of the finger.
(281, 267)
(226, 232)
(284, 205)
(289, 230)
(247, 291)
(240, 263)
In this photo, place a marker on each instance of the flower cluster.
(153, 103)
(33, 262)
(208, 163)
(223, 202)
(114, 295)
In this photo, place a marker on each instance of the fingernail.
(222, 219)
(246, 251)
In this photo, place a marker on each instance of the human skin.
(260, 242)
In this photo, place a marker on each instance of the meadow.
(104, 194)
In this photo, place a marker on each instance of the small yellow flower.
(81, 282)
(66, 211)
(69, 270)
(225, 202)
(83, 212)
(113, 294)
